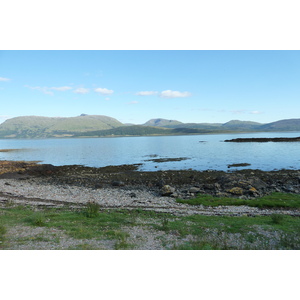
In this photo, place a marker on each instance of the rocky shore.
(147, 203)
(124, 187)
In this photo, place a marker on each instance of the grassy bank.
(87, 228)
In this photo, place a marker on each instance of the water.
(203, 151)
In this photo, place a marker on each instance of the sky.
(134, 86)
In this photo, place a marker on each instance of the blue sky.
(135, 86)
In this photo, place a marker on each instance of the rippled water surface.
(202, 152)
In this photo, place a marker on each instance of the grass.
(36, 219)
(277, 218)
(194, 232)
(2, 235)
(274, 200)
(92, 209)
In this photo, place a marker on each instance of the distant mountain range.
(98, 126)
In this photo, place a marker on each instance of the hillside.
(241, 125)
(39, 127)
(133, 130)
(162, 123)
(282, 125)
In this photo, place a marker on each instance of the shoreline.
(125, 187)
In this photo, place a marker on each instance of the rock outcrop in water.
(264, 140)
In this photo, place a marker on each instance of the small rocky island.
(264, 140)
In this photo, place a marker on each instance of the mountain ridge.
(101, 125)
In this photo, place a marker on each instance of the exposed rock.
(236, 191)
(194, 190)
(264, 140)
(132, 195)
(239, 165)
(174, 195)
(118, 183)
(167, 190)
(253, 191)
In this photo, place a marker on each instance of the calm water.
(203, 151)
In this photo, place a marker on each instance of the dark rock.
(118, 183)
(132, 195)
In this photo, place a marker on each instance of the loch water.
(200, 152)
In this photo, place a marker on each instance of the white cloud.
(146, 93)
(81, 91)
(61, 88)
(174, 94)
(133, 102)
(103, 91)
(4, 79)
(256, 112)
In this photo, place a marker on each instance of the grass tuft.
(37, 219)
(277, 218)
(2, 234)
(92, 209)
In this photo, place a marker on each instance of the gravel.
(36, 191)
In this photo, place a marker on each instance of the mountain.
(282, 125)
(132, 130)
(203, 126)
(98, 125)
(39, 127)
(241, 125)
(162, 123)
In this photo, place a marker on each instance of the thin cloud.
(133, 102)
(174, 94)
(81, 91)
(256, 112)
(48, 90)
(239, 111)
(44, 89)
(4, 79)
(146, 93)
(61, 88)
(103, 91)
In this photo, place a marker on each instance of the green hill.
(162, 123)
(39, 127)
(282, 125)
(241, 125)
(133, 130)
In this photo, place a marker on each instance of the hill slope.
(282, 125)
(162, 123)
(241, 125)
(38, 127)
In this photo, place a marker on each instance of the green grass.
(197, 232)
(274, 200)
(2, 235)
